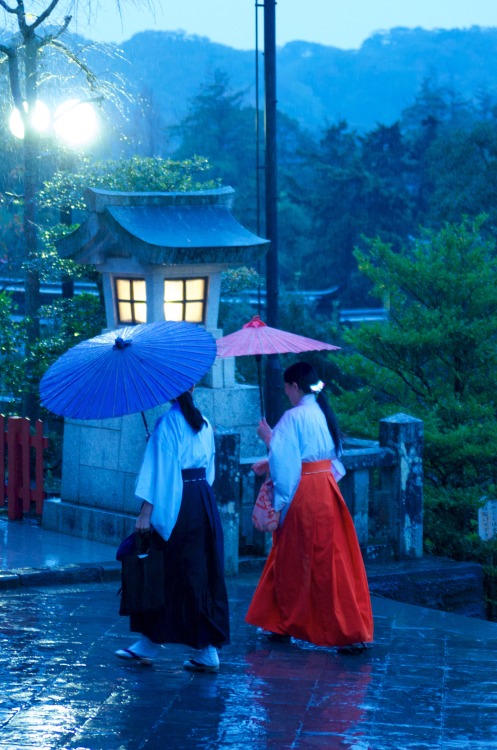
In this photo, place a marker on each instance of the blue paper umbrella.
(127, 371)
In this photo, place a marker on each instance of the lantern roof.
(162, 228)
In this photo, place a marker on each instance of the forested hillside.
(376, 142)
(318, 85)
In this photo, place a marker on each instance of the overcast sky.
(339, 23)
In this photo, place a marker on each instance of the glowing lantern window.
(131, 301)
(184, 299)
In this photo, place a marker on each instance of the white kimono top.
(302, 434)
(173, 446)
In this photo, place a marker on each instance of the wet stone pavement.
(430, 681)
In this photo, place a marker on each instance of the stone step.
(432, 582)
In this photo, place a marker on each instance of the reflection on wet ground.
(26, 543)
(429, 682)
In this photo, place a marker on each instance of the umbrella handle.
(146, 425)
(258, 358)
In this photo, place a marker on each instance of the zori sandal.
(195, 666)
(353, 649)
(128, 655)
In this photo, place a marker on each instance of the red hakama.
(314, 586)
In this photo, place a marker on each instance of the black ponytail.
(305, 375)
(190, 412)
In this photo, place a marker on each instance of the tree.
(138, 174)
(294, 220)
(351, 186)
(67, 188)
(330, 188)
(436, 359)
(36, 32)
(388, 203)
(462, 170)
(221, 127)
(435, 112)
(69, 321)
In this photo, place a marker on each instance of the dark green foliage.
(221, 127)
(236, 311)
(435, 165)
(9, 329)
(69, 322)
(67, 187)
(435, 359)
(296, 315)
(451, 530)
(463, 172)
(65, 193)
(350, 187)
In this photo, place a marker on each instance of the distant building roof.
(162, 228)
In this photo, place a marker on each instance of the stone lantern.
(161, 256)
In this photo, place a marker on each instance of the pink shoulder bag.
(263, 516)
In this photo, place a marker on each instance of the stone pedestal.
(149, 248)
(102, 458)
(404, 435)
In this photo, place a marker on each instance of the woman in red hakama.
(313, 586)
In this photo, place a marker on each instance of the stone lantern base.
(101, 459)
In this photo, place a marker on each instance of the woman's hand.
(261, 467)
(143, 520)
(264, 431)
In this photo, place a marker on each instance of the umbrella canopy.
(128, 370)
(256, 338)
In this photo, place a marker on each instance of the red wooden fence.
(21, 488)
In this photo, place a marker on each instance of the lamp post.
(271, 160)
(22, 55)
(273, 377)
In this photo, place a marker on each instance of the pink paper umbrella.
(256, 338)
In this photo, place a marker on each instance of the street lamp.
(40, 119)
(74, 121)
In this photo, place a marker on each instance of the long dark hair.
(305, 375)
(190, 412)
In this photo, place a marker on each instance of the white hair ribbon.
(317, 387)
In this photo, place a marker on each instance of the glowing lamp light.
(75, 122)
(40, 119)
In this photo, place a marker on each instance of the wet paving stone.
(429, 683)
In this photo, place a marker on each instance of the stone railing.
(383, 489)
